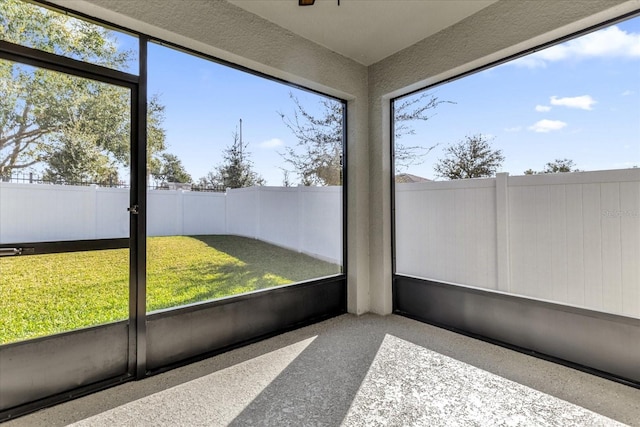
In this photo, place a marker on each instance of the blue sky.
(579, 100)
(204, 103)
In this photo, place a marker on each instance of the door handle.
(16, 251)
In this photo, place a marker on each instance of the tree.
(317, 156)
(78, 159)
(236, 170)
(472, 157)
(560, 166)
(170, 170)
(52, 119)
(557, 166)
(405, 112)
(286, 182)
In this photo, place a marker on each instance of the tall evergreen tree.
(236, 169)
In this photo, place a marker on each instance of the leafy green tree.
(557, 166)
(39, 28)
(51, 119)
(317, 156)
(560, 166)
(78, 159)
(472, 157)
(236, 170)
(171, 170)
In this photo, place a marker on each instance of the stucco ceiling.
(364, 30)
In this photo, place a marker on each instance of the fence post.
(301, 224)
(502, 229)
(226, 212)
(258, 200)
(180, 212)
(96, 208)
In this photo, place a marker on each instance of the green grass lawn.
(46, 294)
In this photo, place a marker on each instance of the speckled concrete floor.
(358, 371)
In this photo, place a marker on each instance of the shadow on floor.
(316, 372)
(318, 387)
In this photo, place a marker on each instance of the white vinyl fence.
(568, 238)
(305, 219)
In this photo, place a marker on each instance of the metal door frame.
(135, 365)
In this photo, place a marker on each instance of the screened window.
(524, 178)
(245, 186)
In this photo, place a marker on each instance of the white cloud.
(584, 102)
(627, 93)
(271, 143)
(513, 129)
(612, 42)
(545, 126)
(542, 108)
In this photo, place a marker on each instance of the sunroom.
(336, 195)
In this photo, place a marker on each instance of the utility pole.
(241, 140)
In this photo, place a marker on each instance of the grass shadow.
(267, 258)
(45, 294)
(220, 265)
